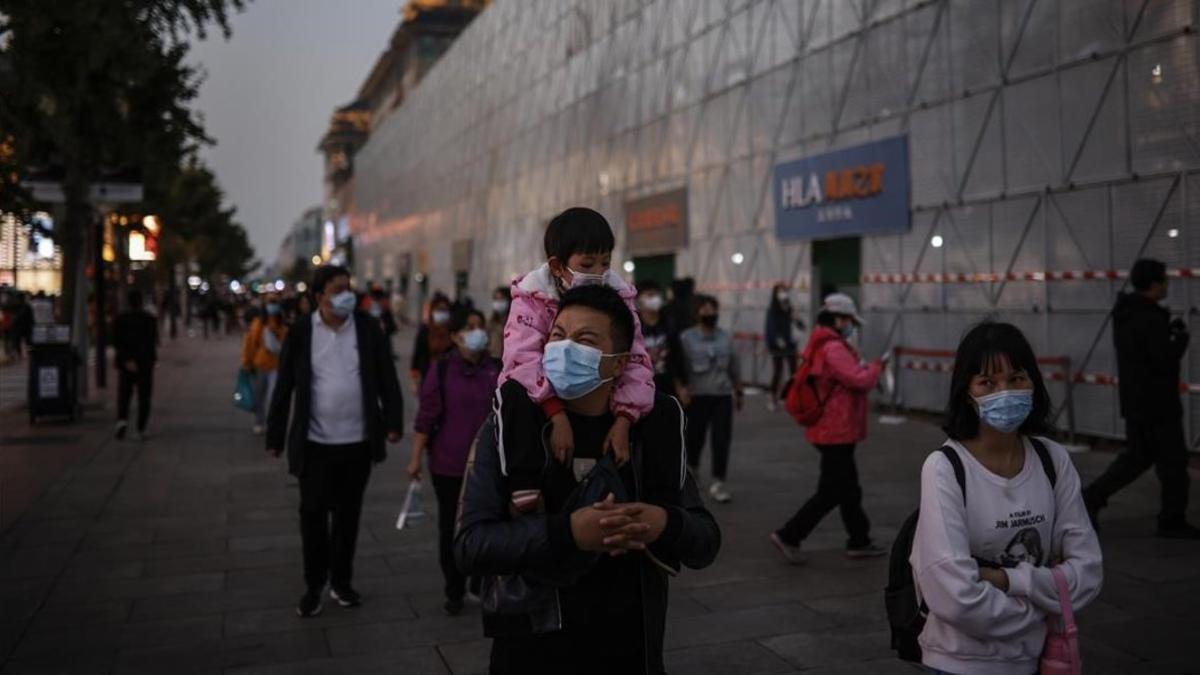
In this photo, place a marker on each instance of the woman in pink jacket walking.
(843, 383)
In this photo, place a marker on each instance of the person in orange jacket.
(260, 355)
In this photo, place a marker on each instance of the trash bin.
(53, 369)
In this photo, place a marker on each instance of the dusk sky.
(268, 95)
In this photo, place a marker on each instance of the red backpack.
(802, 400)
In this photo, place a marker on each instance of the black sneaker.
(1181, 531)
(868, 551)
(310, 604)
(121, 428)
(346, 597)
(453, 607)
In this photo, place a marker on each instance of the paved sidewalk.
(181, 555)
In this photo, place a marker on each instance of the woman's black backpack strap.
(1047, 461)
(960, 472)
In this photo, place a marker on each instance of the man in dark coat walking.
(135, 337)
(1149, 348)
(347, 407)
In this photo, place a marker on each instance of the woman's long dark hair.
(776, 306)
(980, 351)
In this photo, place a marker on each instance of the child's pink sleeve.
(525, 333)
(634, 395)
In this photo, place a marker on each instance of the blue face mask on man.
(573, 369)
(273, 309)
(1006, 411)
(343, 303)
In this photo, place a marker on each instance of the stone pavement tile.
(9, 634)
(122, 570)
(430, 603)
(1165, 567)
(742, 624)
(1167, 666)
(857, 609)
(20, 599)
(395, 636)
(279, 619)
(83, 614)
(730, 657)
(221, 562)
(417, 661)
(682, 606)
(1148, 639)
(890, 666)
(118, 537)
(80, 664)
(832, 648)
(1102, 659)
(287, 542)
(83, 590)
(41, 561)
(287, 577)
(216, 655)
(153, 551)
(797, 586)
(57, 646)
(467, 658)
(259, 514)
(60, 532)
(197, 604)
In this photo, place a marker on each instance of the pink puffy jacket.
(846, 383)
(530, 318)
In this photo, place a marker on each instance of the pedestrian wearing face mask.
(578, 245)
(714, 389)
(456, 398)
(260, 355)
(1001, 516)
(780, 339)
(662, 340)
(337, 403)
(377, 306)
(433, 339)
(843, 382)
(501, 300)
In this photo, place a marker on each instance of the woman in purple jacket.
(456, 398)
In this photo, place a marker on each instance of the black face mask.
(709, 320)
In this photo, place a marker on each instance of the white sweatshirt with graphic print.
(1022, 524)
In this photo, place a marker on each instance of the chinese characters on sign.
(858, 190)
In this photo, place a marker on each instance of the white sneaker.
(771, 404)
(258, 429)
(790, 553)
(718, 492)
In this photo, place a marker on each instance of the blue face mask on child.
(573, 369)
(1006, 411)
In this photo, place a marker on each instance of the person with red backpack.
(828, 395)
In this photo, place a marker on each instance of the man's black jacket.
(518, 557)
(1148, 355)
(383, 405)
(135, 337)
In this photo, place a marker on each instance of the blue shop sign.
(858, 190)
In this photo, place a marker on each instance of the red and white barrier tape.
(1069, 275)
(1079, 378)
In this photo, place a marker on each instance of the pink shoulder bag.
(1060, 655)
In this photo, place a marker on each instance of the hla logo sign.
(845, 192)
(836, 185)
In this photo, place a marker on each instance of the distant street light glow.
(738, 258)
(279, 285)
(301, 287)
(628, 266)
(316, 260)
(193, 282)
(937, 241)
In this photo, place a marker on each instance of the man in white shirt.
(347, 404)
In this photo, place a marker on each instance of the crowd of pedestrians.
(562, 426)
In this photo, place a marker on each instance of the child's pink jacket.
(534, 306)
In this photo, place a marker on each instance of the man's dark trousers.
(331, 489)
(1159, 444)
(447, 489)
(143, 379)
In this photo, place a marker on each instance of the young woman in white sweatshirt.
(982, 565)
